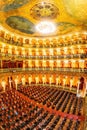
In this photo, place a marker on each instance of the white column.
(23, 80)
(30, 79)
(10, 83)
(3, 85)
(16, 83)
(78, 88)
(44, 79)
(37, 80)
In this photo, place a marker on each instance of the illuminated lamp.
(46, 27)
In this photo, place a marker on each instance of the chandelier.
(46, 27)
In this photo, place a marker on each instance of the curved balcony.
(51, 45)
(71, 56)
(72, 70)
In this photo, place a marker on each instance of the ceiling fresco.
(8, 5)
(77, 9)
(65, 27)
(21, 17)
(21, 24)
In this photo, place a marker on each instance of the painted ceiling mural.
(65, 27)
(21, 16)
(7, 5)
(21, 24)
(77, 9)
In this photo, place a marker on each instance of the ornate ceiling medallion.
(44, 10)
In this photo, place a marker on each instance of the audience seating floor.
(41, 108)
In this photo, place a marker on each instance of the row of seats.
(54, 98)
(17, 113)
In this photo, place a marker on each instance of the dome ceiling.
(21, 17)
(77, 9)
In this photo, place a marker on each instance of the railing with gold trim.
(14, 70)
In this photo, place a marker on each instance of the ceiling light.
(46, 27)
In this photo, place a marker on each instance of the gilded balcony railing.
(53, 57)
(14, 70)
(53, 45)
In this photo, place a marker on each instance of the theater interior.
(43, 65)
